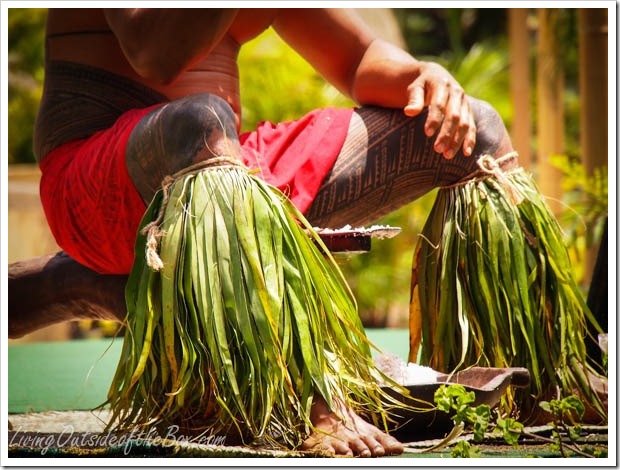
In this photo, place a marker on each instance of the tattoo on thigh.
(386, 162)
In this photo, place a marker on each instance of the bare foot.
(349, 437)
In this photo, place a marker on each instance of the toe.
(392, 446)
(359, 448)
(376, 448)
(341, 448)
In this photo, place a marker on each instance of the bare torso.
(83, 36)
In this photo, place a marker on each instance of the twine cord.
(492, 167)
(489, 166)
(152, 230)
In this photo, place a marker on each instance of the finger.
(416, 100)
(445, 140)
(461, 128)
(469, 142)
(441, 144)
(436, 110)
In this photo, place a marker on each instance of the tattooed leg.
(387, 161)
(177, 135)
(55, 288)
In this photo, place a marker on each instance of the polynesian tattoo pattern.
(387, 161)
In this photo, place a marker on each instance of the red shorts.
(94, 210)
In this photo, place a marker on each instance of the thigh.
(387, 161)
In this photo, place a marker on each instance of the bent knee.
(197, 122)
(177, 135)
(491, 134)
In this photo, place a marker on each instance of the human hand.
(448, 110)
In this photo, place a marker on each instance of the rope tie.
(152, 230)
(492, 167)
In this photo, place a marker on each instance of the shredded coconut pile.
(405, 374)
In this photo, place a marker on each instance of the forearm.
(390, 77)
(161, 43)
(384, 75)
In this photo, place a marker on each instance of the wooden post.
(593, 96)
(521, 129)
(593, 86)
(549, 90)
(593, 83)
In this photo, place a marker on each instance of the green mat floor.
(75, 375)
(51, 382)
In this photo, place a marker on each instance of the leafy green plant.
(465, 450)
(456, 400)
(510, 429)
(565, 412)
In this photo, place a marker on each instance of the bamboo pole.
(593, 95)
(593, 86)
(550, 113)
(521, 129)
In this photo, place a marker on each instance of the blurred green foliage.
(277, 84)
(25, 78)
(585, 207)
(431, 31)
